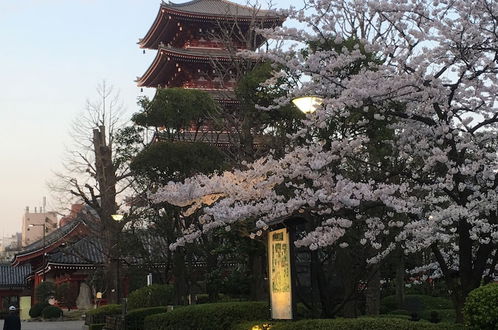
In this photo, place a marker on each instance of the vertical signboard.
(279, 269)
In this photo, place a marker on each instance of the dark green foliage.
(251, 92)
(364, 323)
(98, 315)
(45, 291)
(481, 308)
(151, 296)
(416, 303)
(51, 312)
(97, 326)
(66, 295)
(236, 284)
(207, 316)
(175, 108)
(135, 318)
(434, 317)
(164, 161)
(445, 315)
(36, 309)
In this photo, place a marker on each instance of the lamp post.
(308, 104)
(44, 230)
(118, 218)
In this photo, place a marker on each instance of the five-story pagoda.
(189, 41)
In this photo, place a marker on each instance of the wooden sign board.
(279, 269)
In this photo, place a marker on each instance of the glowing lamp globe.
(308, 104)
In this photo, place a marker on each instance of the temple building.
(55, 258)
(191, 37)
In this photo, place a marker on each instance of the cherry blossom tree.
(429, 76)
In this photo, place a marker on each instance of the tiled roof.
(11, 276)
(218, 8)
(51, 238)
(85, 251)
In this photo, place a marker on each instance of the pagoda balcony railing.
(211, 85)
(219, 139)
(212, 44)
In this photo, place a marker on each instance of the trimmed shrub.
(97, 326)
(135, 318)
(481, 308)
(362, 323)
(415, 303)
(44, 291)
(36, 309)
(151, 296)
(98, 315)
(51, 312)
(208, 316)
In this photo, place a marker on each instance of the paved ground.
(66, 325)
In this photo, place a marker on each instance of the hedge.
(97, 326)
(98, 315)
(481, 308)
(363, 323)
(415, 303)
(151, 296)
(134, 320)
(208, 316)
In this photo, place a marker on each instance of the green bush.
(415, 303)
(97, 326)
(134, 320)
(151, 296)
(44, 291)
(36, 309)
(51, 312)
(98, 315)
(208, 316)
(363, 323)
(446, 315)
(481, 308)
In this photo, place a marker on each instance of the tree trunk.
(458, 298)
(179, 277)
(373, 292)
(212, 266)
(257, 285)
(400, 280)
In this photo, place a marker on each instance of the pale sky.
(53, 54)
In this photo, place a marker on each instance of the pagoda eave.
(167, 55)
(158, 31)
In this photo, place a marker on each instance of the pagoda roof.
(14, 277)
(162, 30)
(163, 66)
(218, 8)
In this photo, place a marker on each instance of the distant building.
(34, 222)
(9, 246)
(12, 242)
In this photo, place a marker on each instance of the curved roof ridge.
(219, 7)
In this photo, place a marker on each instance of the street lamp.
(308, 104)
(43, 257)
(118, 218)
